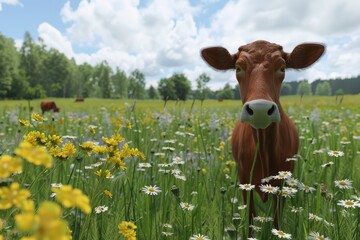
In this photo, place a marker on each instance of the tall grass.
(187, 148)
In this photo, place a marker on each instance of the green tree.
(9, 63)
(323, 89)
(304, 88)
(167, 89)
(103, 76)
(85, 83)
(201, 90)
(226, 93)
(56, 74)
(182, 85)
(31, 59)
(120, 83)
(153, 93)
(137, 85)
(285, 89)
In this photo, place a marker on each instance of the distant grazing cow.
(79, 99)
(260, 69)
(48, 105)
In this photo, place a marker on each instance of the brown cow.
(260, 69)
(48, 105)
(79, 99)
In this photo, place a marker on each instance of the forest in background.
(37, 71)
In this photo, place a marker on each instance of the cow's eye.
(282, 69)
(239, 70)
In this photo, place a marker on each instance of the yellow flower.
(222, 145)
(203, 171)
(230, 163)
(106, 174)
(99, 149)
(67, 151)
(35, 137)
(53, 140)
(34, 154)
(47, 224)
(37, 117)
(13, 195)
(92, 129)
(108, 193)
(55, 151)
(226, 170)
(114, 140)
(9, 165)
(128, 124)
(127, 229)
(26, 222)
(24, 123)
(70, 197)
(87, 147)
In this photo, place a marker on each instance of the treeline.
(323, 87)
(36, 71)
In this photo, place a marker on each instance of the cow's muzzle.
(260, 113)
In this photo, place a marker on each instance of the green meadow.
(149, 169)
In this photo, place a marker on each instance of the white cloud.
(10, 2)
(53, 38)
(165, 36)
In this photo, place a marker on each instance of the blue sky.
(161, 37)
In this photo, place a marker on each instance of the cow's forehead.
(262, 46)
(261, 51)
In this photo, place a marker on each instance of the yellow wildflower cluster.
(35, 137)
(230, 163)
(37, 117)
(87, 147)
(222, 145)
(127, 229)
(47, 224)
(115, 155)
(53, 140)
(9, 165)
(67, 150)
(99, 149)
(24, 123)
(105, 174)
(13, 195)
(114, 140)
(70, 197)
(34, 154)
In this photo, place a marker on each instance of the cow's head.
(260, 69)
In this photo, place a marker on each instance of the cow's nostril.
(249, 110)
(271, 110)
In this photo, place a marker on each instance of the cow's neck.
(266, 140)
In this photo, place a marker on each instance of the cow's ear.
(304, 55)
(219, 58)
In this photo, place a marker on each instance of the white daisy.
(268, 189)
(317, 236)
(280, 234)
(101, 209)
(151, 190)
(247, 186)
(349, 203)
(186, 206)
(343, 184)
(335, 153)
(199, 237)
